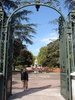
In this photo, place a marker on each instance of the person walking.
(40, 66)
(24, 78)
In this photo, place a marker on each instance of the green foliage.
(22, 29)
(17, 46)
(68, 4)
(42, 55)
(53, 54)
(49, 55)
(25, 58)
(20, 54)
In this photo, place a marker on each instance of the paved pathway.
(42, 86)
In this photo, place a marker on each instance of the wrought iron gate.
(66, 57)
(66, 35)
(67, 43)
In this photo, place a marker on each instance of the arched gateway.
(66, 40)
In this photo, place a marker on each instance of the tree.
(42, 56)
(20, 30)
(25, 58)
(49, 55)
(17, 46)
(52, 59)
(68, 4)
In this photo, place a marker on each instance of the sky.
(44, 31)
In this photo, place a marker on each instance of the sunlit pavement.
(41, 86)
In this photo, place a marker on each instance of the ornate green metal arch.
(47, 3)
(64, 42)
(7, 46)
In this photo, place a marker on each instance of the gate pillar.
(66, 57)
(1, 56)
(1, 31)
(9, 60)
(72, 21)
(63, 55)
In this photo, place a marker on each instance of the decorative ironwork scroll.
(47, 2)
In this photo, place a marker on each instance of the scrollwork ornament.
(39, 1)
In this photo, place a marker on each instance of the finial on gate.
(37, 5)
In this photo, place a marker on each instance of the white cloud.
(42, 41)
(45, 40)
(51, 37)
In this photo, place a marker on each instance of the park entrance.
(66, 47)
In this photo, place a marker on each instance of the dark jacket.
(24, 75)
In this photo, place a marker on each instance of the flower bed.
(46, 69)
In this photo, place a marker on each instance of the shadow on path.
(36, 85)
(27, 92)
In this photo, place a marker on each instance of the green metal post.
(63, 54)
(1, 63)
(68, 66)
(72, 21)
(1, 30)
(5, 60)
(72, 44)
(73, 33)
(9, 58)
